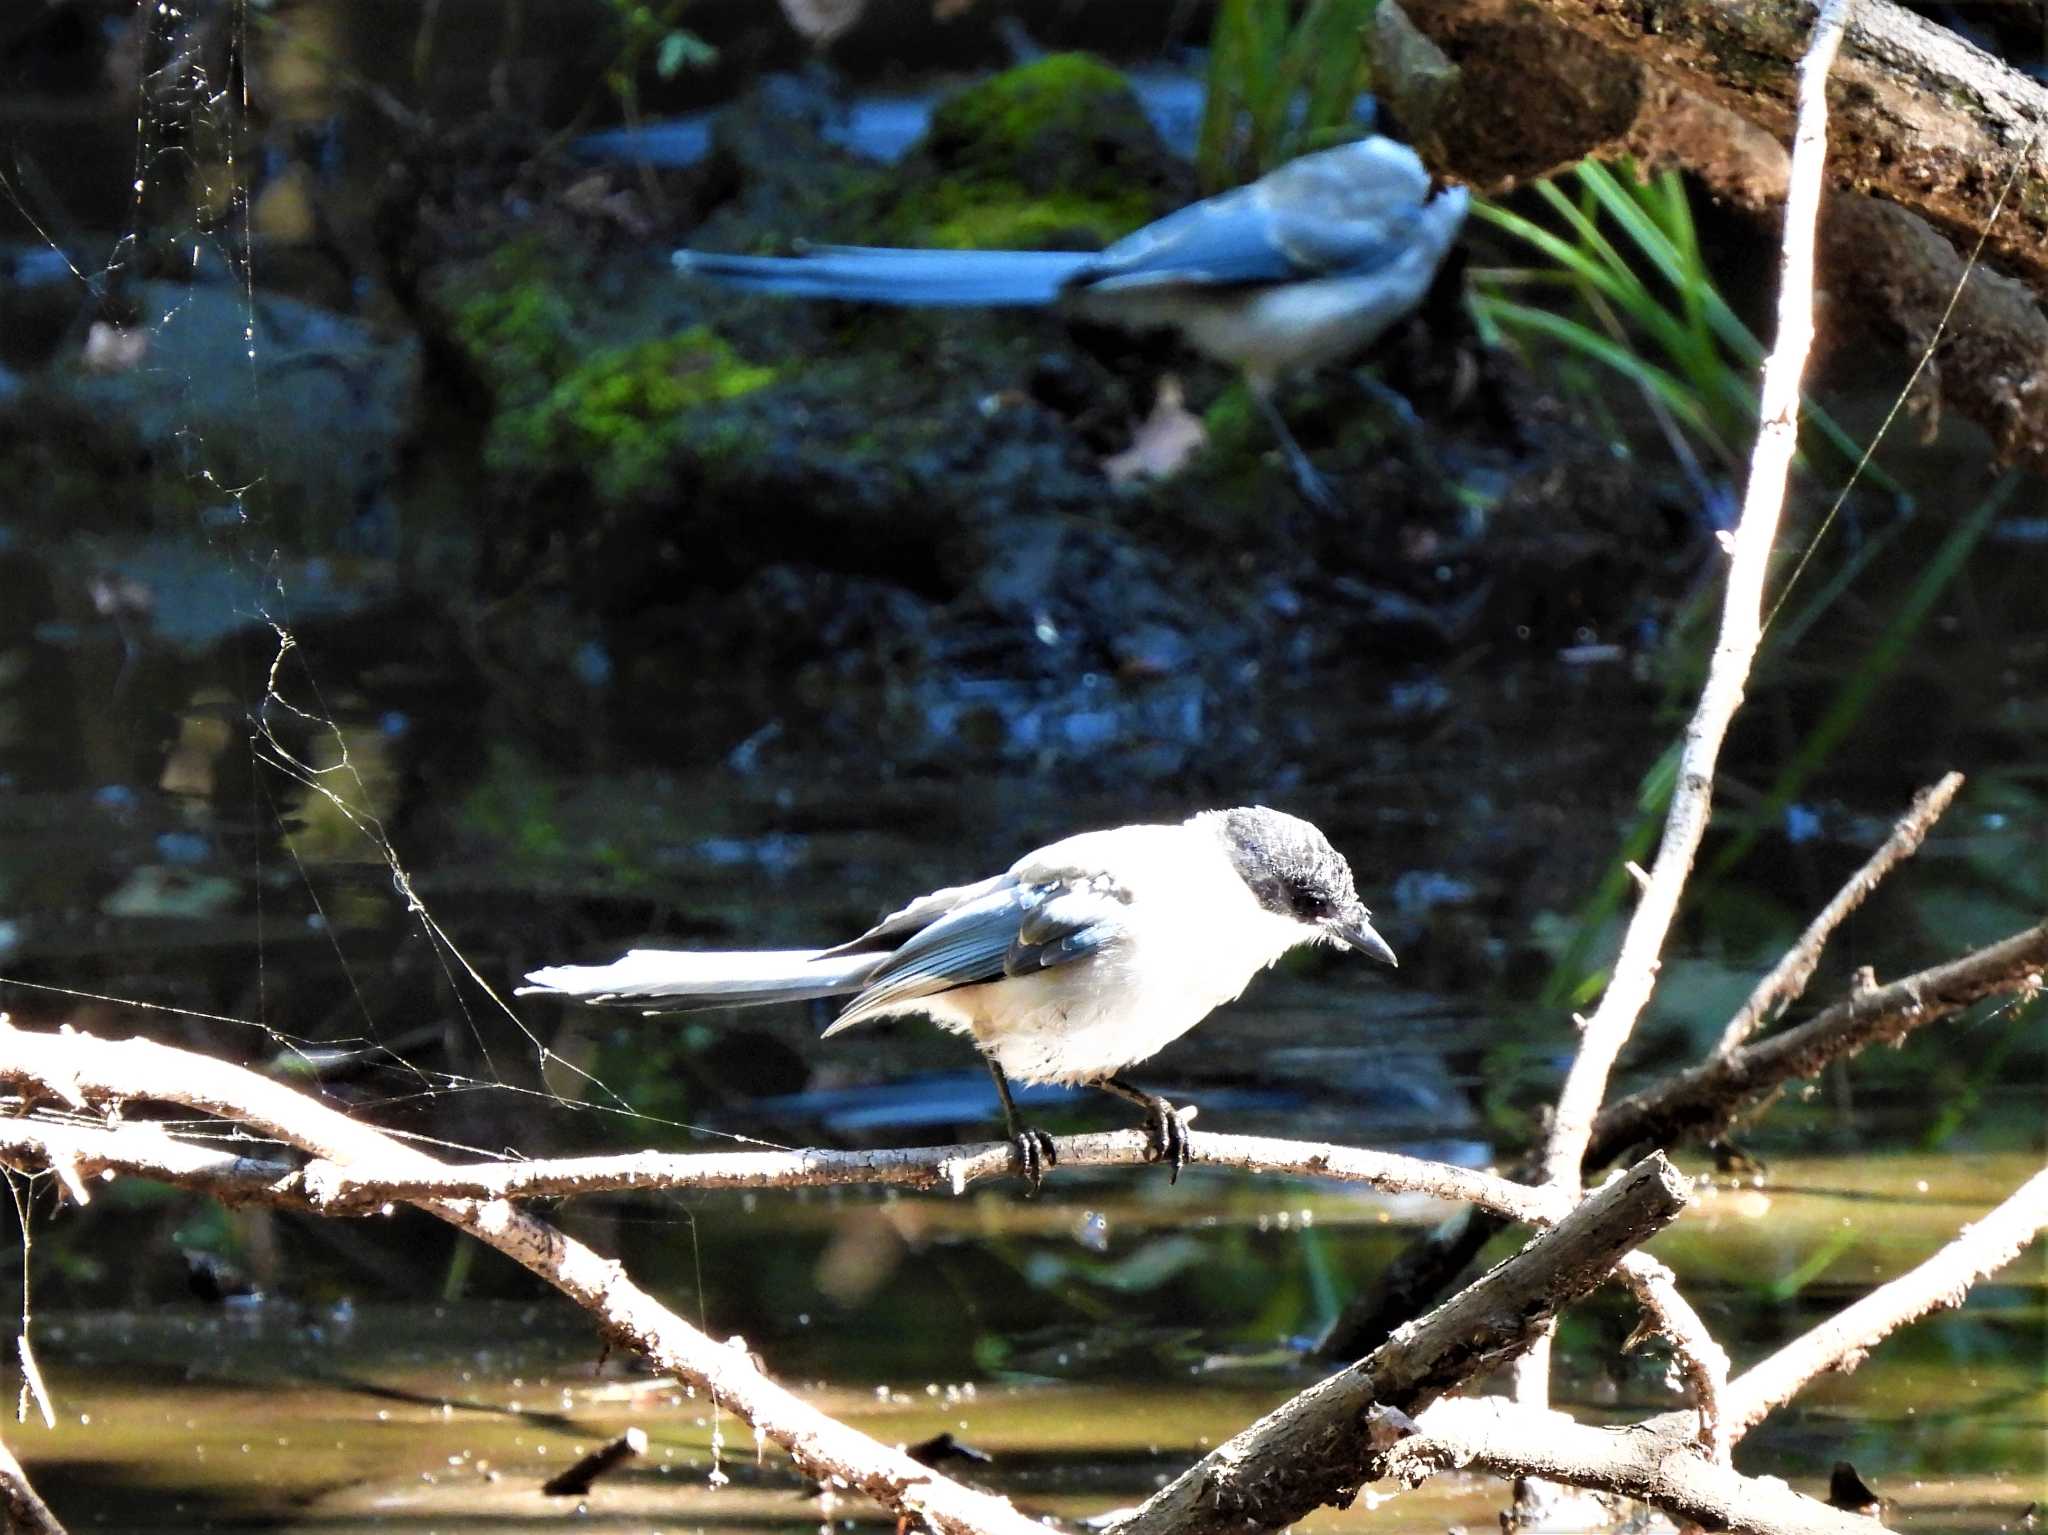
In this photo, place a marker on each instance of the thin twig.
(1635, 969)
(602, 1461)
(1703, 1101)
(341, 1187)
(141, 1148)
(1749, 548)
(1702, 1361)
(1788, 978)
(1656, 1462)
(25, 1511)
(1841, 1342)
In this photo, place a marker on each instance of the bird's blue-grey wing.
(1225, 241)
(1345, 210)
(1357, 208)
(1014, 929)
(921, 913)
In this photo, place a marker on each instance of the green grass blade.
(1562, 252)
(1681, 400)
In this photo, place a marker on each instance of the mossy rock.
(1055, 154)
(512, 323)
(622, 415)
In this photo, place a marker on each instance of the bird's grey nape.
(1288, 864)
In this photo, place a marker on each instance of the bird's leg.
(1034, 1147)
(1406, 420)
(1314, 488)
(1164, 1124)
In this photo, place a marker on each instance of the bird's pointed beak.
(1357, 933)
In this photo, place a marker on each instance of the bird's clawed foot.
(1315, 490)
(1035, 1156)
(1035, 1153)
(1166, 1127)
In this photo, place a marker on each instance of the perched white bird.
(1082, 959)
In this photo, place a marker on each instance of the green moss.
(513, 325)
(1004, 217)
(998, 125)
(1232, 421)
(620, 415)
(1056, 154)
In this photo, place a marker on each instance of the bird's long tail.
(678, 981)
(907, 278)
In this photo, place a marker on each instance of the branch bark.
(1702, 1102)
(1842, 1341)
(1927, 121)
(1787, 980)
(1655, 1462)
(339, 1188)
(25, 1510)
(1317, 1449)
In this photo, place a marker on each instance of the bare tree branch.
(80, 1068)
(1702, 1361)
(26, 1512)
(143, 1149)
(1842, 1341)
(1635, 968)
(1702, 1102)
(1656, 1462)
(340, 1187)
(1692, 795)
(1788, 978)
(1314, 1450)
(1928, 121)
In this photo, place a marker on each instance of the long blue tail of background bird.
(912, 279)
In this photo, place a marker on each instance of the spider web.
(177, 322)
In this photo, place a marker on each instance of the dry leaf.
(820, 21)
(1163, 442)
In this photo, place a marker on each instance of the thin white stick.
(1635, 969)
(1782, 987)
(1702, 1361)
(35, 1144)
(1656, 1461)
(1749, 548)
(359, 1183)
(1843, 1339)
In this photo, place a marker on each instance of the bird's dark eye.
(1309, 905)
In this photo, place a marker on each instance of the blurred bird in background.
(1307, 265)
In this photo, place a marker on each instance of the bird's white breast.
(1301, 325)
(1193, 939)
